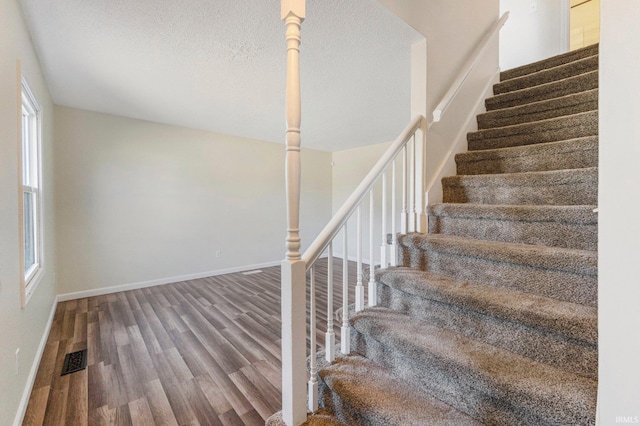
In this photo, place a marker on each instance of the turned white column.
(294, 394)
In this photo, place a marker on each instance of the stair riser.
(444, 383)
(550, 62)
(339, 407)
(575, 287)
(562, 72)
(560, 129)
(578, 357)
(574, 154)
(582, 102)
(579, 192)
(553, 90)
(579, 236)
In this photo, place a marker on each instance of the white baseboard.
(31, 378)
(160, 281)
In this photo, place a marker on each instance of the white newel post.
(294, 393)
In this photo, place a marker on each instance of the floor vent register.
(74, 361)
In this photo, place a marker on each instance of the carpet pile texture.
(492, 317)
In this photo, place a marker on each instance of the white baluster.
(404, 226)
(414, 186)
(394, 247)
(383, 244)
(313, 382)
(359, 286)
(293, 267)
(372, 297)
(330, 337)
(410, 182)
(345, 339)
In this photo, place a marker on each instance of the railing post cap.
(296, 7)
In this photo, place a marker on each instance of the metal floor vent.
(74, 361)
(257, 271)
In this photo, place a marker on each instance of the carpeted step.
(542, 110)
(556, 187)
(321, 417)
(560, 273)
(573, 227)
(488, 383)
(549, 130)
(554, 332)
(554, 61)
(548, 75)
(569, 154)
(360, 392)
(555, 89)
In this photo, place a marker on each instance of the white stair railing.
(295, 400)
(339, 224)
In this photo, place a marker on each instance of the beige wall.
(350, 166)
(619, 227)
(585, 23)
(141, 202)
(452, 31)
(528, 37)
(20, 328)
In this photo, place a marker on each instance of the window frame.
(30, 183)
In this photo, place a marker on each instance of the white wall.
(143, 202)
(452, 31)
(619, 228)
(530, 36)
(21, 328)
(350, 166)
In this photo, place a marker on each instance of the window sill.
(31, 285)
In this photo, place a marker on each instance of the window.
(31, 193)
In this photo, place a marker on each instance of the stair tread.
(385, 399)
(525, 127)
(550, 62)
(554, 258)
(531, 132)
(322, 418)
(551, 90)
(552, 187)
(571, 320)
(527, 150)
(573, 226)
(543, 109)
(547, 75)
(566, 154)
(559, 177)
(538, 213)
(566, 397)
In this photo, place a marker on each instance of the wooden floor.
(200, 352)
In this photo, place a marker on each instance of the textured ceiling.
(219, 65)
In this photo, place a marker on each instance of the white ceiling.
(219, 65)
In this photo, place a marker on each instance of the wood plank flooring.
(200, 352)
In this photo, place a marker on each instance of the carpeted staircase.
(493, 317)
